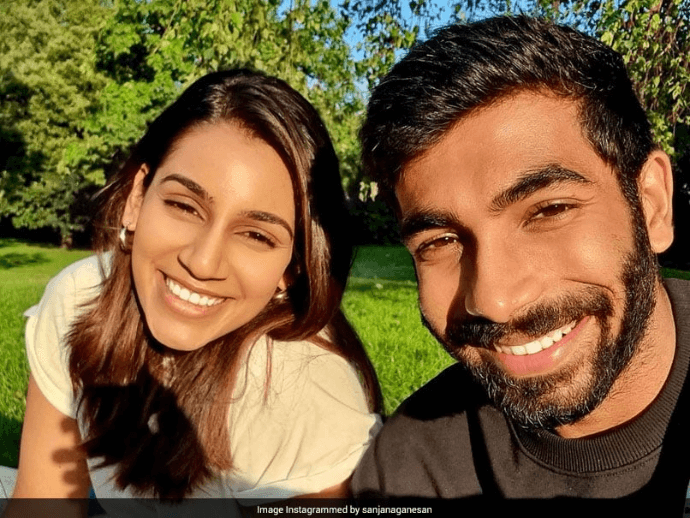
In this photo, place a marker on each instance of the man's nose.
(498, 280)
(206, 256)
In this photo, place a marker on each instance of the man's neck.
(641, 382)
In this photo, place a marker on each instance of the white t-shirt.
(308, 435)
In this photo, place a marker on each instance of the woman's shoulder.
(302, 370)
(85, 273)
(73, 285)
(293, 357)
(301, 425)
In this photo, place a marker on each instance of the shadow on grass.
(6, 242)
(10, 433)
(14, 260)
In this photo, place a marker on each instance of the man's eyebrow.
(423, 220)
(533, 181)
(268, 217)
(189, 184)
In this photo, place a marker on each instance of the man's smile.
(536, 346)
(548, 352)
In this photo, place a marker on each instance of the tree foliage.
(81, 79)
(654, 38)
(48, 86)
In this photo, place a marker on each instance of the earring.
(123, 236)
(280, 296)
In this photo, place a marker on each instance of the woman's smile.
(179, 291)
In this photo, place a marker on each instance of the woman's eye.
(261, 238)
(181, 206)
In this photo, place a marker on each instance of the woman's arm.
(341, 490)
(51, 462)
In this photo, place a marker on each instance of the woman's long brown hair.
(129, 385)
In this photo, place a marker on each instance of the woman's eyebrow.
(189, 184)
(268, 217)
(533, 181)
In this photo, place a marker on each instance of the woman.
(204, 353)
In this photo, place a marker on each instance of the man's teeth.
(191, 296)
(537, 345)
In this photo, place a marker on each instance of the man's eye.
(551, 210)
(437, 247)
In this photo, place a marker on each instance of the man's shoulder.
(425, 448)
(679, 292)
(451, 393)
(437, 411)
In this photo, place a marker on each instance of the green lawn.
(24, 271)
(380, 301)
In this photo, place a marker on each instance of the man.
(533, 201)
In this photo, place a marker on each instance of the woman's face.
(213, 235)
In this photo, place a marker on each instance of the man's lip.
(545, 360)
(538, 344)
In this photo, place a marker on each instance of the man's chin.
(543, 401)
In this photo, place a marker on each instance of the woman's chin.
(178, 342)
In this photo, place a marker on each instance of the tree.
(81, 81)
(48, 84)
(152, 50)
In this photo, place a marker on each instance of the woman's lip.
(193, 289)
(545, 360)
(182, 307)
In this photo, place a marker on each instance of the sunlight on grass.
(385, 315)
(25, 269)
(381, 303)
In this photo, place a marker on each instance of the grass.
(24, 271)
(380, 301)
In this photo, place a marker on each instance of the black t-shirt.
(447, 441)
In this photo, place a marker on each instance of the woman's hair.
(128, 385)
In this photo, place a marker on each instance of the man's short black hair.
(464, 67)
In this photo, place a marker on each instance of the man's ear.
(655, 186)
(130, 216)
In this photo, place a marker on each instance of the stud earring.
(280, 296)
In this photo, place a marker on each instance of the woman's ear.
(655, 186)
(130, 216)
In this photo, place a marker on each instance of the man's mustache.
(534, 323)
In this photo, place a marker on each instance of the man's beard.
(549, 401)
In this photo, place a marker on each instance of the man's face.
(532, 269)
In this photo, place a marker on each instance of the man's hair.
(464, 67)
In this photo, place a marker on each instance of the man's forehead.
(494, 147)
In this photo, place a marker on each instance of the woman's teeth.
(537, 345)
(191, 296)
